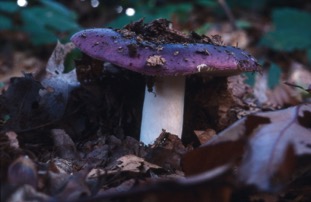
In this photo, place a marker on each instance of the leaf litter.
(271, 144)
(267, 151)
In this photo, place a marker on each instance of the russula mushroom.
(170, 62)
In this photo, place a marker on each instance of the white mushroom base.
(164, 109)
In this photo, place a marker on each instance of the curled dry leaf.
(33, 101)
(57, 84)
(129, 163)
(135, 164)
(273, 139)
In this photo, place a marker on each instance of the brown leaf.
(205, 135)
(283, 95)
(298, 79)
(134, 164)
(29, 103)
(207, 186)
(20, 102)
(273, 140)
(212, 156)
(166, 151)
(269, 146)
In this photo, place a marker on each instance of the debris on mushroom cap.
(129, 49)
(155, 60)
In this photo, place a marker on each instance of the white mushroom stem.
(164, 109)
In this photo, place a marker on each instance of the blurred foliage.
(44, 21)
(146, 10)
(309, 55)
(69, 62)
(274, 76)
(292, 30)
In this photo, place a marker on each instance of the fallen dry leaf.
(270, 144)
(205, 135)
(297, 79)
(31, 102)
(166, 151)
(57, 84)
(129, 163)
(20, 103)
(134, 164)
(213, 185)
(274, 140)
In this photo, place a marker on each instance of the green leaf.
(243, 24)
(149, 14)
(49, 18)
(274, 75)
(203, 29)
(5, 23)
(8, 6)
(44, 23)
(250, 78)
(292, 30)
(69, 62)
(59, 8)
(207, 3)
(309, 55)
(41, 36)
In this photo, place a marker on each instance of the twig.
(296, 86)
(228, 12)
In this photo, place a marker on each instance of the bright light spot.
(94, 3)
(119, 9)
(130, 11)
(22, 3)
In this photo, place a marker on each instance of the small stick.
(228, 12)
(296, 86)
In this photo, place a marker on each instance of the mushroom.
(169, 62)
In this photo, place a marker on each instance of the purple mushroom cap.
(129, 51)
